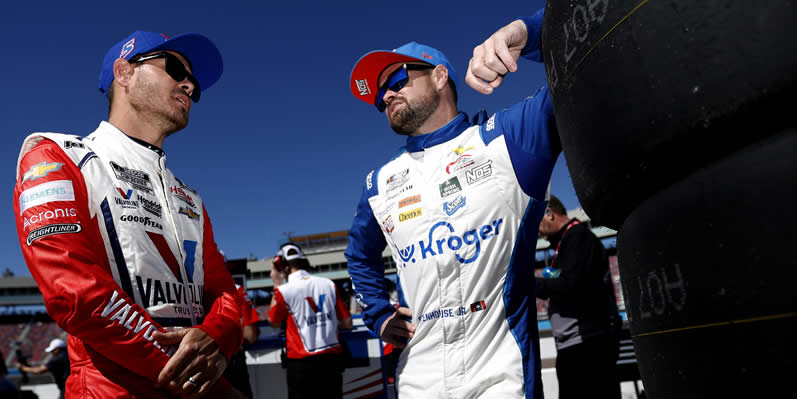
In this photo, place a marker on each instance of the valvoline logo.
(443, 238)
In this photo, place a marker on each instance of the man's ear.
(440, 76)
(122, 72)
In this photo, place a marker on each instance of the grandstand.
(25, 327)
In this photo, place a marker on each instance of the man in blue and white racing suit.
(460, 207)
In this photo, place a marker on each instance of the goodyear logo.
(410, 214)
(443, 239)
(40, 170)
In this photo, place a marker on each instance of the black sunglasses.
(175, 69)
(396, 81)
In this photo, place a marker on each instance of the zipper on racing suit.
(161, 167)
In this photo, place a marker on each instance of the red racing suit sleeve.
(64, 251)
(248, 313)
(223, 320)
(340, 308)
(279, 310)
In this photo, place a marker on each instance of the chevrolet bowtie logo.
(460, 150)
(189, 212)
(40, 170)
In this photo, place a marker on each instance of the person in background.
(582, 307)
(58, 365)
(237, 373)
(7, 388)
(314, 312)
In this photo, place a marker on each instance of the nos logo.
(316, 308)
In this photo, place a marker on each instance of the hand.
(277, 277)
(394, 330)
(496, 57)
(198, 357)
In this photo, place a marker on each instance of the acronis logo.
(443, 239)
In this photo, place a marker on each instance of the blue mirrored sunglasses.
(396, 81)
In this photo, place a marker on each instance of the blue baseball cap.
(365, 74)
(201, 53)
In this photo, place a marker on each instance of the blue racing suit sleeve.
(529, 127)
(533, 49)
(367, 270)
(532, 140)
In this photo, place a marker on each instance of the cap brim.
(365, 74)
(205, 58)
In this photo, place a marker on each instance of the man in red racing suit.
(123, 251)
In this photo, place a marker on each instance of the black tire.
(708, 271)
(674, 86)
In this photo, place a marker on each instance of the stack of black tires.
(678, 121)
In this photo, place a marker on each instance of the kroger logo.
(447, 241)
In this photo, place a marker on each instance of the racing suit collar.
(298, 275)
(107, 126)
(445, 133)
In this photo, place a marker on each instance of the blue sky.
(279, 144)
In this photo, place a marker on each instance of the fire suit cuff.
(225, 339)
(379, 321)
(533, 48)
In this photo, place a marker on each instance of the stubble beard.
(154, 109)
(414, 114)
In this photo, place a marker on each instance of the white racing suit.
(461, 208)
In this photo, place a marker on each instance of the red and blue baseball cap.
(201, 53)
(365, 75)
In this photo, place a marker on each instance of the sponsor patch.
(453, 206)
(362, 87)
(480, 172)
(410, 214)
(145, 220)
(182, 196)
(443, 240)
(478, 306)
(369, 180)
(135, 178)
(127, 199)
(53, 229)
(462, 162)
(395, 194)
(185, 186)
(57, 190)
(450, 186)
(152, 207)
(47, 215)
(409, 201)
(398, 180)
(388, 224)
(40, 170)
(189, 212)
(490, 123)
(73, 144)
(461, 150)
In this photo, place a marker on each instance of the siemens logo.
(449, 242)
